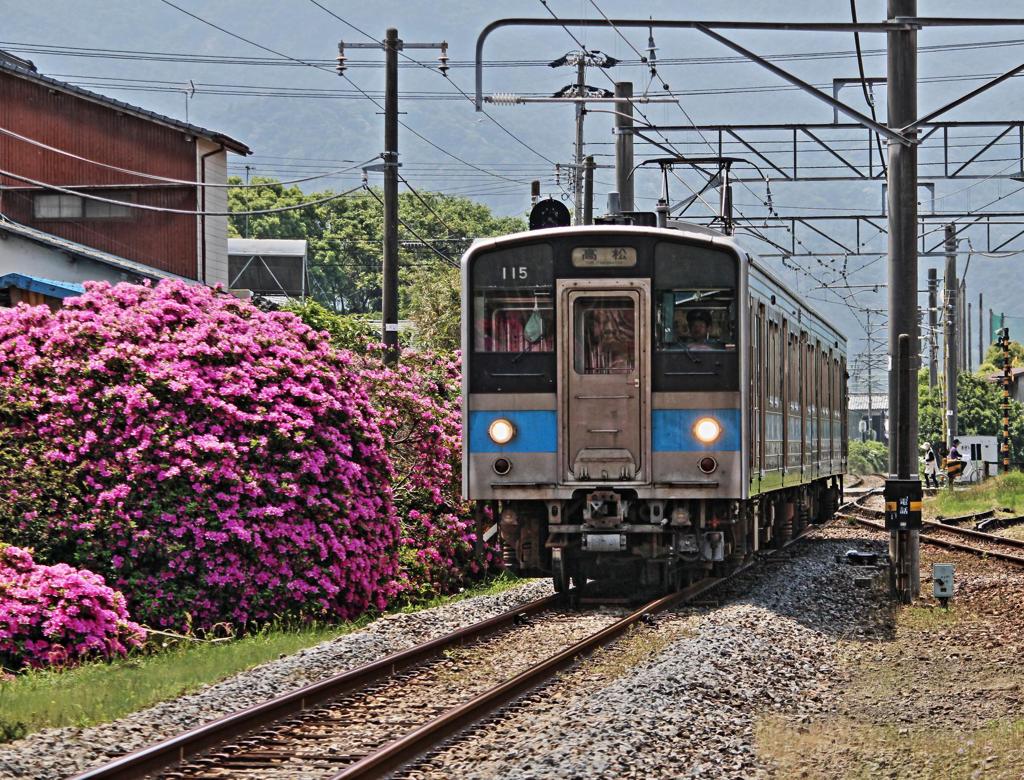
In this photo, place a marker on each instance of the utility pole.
(389, 285)
(981, 330)
(1004, 406)
(577, 176)
(392, 45)
(588, 190)
(903, 491)
(933, 323)
(624, 145)
(950, 309)
(967, 336)
(871, 384)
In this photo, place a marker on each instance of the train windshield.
(513, 308)
(696, 319)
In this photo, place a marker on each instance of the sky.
(302, 119)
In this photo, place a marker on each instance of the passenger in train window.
(698, 324)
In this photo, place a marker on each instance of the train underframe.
(607, 542)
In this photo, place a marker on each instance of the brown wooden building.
(95, 128)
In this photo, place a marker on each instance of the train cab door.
(604, 385)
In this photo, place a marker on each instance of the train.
(644, 406)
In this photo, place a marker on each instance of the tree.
(994, 358)
(345, 237)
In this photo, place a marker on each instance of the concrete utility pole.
(581, 111)
(950, 310)
(389, 285)
(588, 190)
(967, 336)
(933, 323)
(392, 45)
(871, 385)
(903, 488)
(624, 145)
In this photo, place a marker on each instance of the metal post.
(624, 145)
(933, 323)
(871, 384)
(1005, 404)
(534, 192)
(588, 190)
(950, 319)
(389, 286)
(968, 354)
(902, 194)
(577, 176)
(981, 331)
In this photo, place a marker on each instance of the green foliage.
(978, 411)
(434, 305)
(868, 457)
(347, 331)
(994, 356)
(345, 237)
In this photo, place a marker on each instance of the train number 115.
(513, 272)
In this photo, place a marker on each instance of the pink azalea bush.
(211, 461)
(420, 414)
(56, 614)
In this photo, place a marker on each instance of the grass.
(100, 692)
(1006, 490)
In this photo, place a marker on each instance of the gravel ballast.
(691, 709)
(57, 753)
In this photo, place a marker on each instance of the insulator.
(443, 59)
(340, 59)
(504, 99)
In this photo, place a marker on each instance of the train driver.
(698, 326)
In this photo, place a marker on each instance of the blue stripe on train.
(672, 430)
(536, 431)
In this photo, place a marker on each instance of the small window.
(57, 207)
(98, 209)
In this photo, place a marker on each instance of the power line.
(164, 210)
(439, 253)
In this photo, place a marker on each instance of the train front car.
(608, 403)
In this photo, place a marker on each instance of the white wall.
(216, 167)
(21, 256)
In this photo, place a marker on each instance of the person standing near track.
(931, 467)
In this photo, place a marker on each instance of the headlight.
(707, 429)
(501, 431)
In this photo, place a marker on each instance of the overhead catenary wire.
(332, 72)
(403, 223)
(166, 179)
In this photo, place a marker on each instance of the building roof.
(1015, 372)
(86, 252)
(51, 288)
(277, 247)
(24, 69)
(859, 402)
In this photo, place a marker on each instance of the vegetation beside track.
(1005, 491)
(942, 698)
(104, 691)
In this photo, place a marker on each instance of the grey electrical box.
(942, 580)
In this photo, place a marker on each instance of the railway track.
(355, 725)
(944, 535)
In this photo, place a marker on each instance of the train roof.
(692, 232)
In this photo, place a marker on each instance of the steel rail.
(413, 744)
(177, 749)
